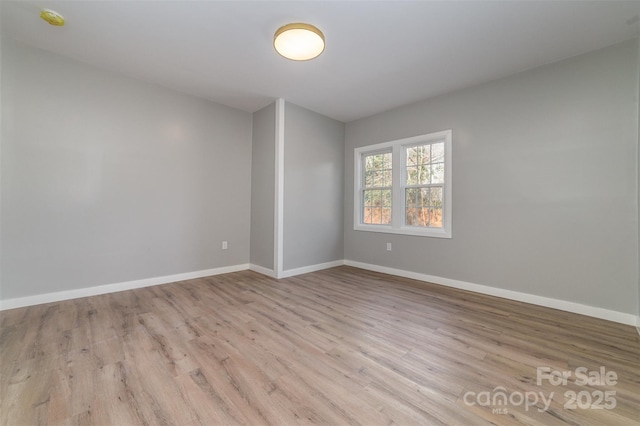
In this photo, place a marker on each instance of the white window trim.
(397, 222)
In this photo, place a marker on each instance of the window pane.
(412, 175)
(377, 206)
(437, 152)
(435, 218)
(424, 166)
(367, 215)
(424, 207)
(411, 217)
(377, 161)
(376, 179)
(418, 155)
(377, 170)
(418, 175)
(385, 218)
(368, 178)
(387, 178)
(386, 161)
(370, 197)
(368, 162)
(423, 217)
(381, 178)
(385, 197)
(382, 159)
(423, 175)
(423, 197)
(417, 197)
(435, 197)
(437, 173)
(366, 198)
(417, 216)
(418, 170)
(411, 197)
(377, 215)
(411, 156)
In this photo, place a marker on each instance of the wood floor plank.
(339, 346)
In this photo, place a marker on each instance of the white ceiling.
(379, 54)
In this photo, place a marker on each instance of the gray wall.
(544, 175)
(107, 179)
(263, 187)
(638, 173)
(313, 188)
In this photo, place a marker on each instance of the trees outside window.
(404, 186)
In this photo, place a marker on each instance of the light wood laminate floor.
(340, 346)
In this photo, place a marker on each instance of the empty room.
(319, 212)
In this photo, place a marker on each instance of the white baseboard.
(563, 305)
(548, 302)
(58, 296)
(312, 268)
(262, 270)
(38, 299)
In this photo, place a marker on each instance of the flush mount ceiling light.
(52, 17)
(299, 42)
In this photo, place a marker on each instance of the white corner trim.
(548, 302)
(278, 228)
(262, 270)
(58, 296)
(311, 268)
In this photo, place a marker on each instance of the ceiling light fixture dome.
(299, 42)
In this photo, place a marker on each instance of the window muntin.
(417, 201)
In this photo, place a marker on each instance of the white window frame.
(397, 148)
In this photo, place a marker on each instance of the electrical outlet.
(388, 246)
(224, 245)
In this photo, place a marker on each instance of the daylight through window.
(377, 188)
(404, 186)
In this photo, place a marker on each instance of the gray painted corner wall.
(107, 179)
(263, 187)
(544, 182)
(313, 188)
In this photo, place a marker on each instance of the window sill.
(385, 229)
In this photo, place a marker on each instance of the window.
(404, 186)
(377, 188)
